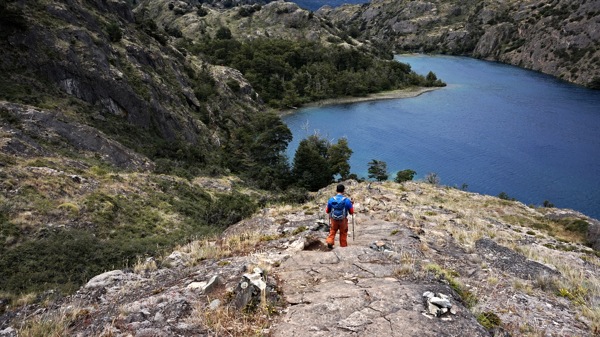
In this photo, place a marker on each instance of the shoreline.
(393, 94)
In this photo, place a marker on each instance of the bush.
(432, 178)
(489, 320)
(504, 196)
(114, 32)
(223, 33)
(201, 12)
(66, 259)
(405, 175)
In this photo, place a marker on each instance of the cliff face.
(559, 38)
(94, 61)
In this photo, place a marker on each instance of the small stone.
(440, 302)
(244, 285)
(428, 294)
(159, 318)
(214, 304)
(433, 309)
(442, 296)
(196, 285)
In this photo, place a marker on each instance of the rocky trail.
(425, 261)
(355, 290)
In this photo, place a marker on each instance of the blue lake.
(313, 5)
(496, 128)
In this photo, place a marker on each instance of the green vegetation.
(287, 73)
(489, 320)
(504, 196)
(405, 175)
(317, 161)
(378, 170)
(104, 229)
(468, 298)
(257, 152)
(114, 32)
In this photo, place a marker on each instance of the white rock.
(214, 304)
(296, 246)
(196, 285)
(440, 302)
(428, 294)
(105, 279)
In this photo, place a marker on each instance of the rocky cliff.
(100, 65)
(422, 260)
(559, 37)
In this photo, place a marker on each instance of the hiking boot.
(330, 246)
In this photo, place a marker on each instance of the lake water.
(313, 5)
(496, 128)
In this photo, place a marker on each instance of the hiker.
(338, 208)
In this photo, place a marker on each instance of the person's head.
(340, 188)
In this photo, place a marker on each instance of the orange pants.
(342, 226)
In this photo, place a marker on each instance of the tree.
(404, 175)
(378, 170)
(257, 151)
(223, 33)
(114, 32)
(339, 155)
(432, 178)
(311, 169)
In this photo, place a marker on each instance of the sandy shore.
(394, 94)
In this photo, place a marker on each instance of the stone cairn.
(438, 305)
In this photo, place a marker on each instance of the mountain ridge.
(558, 38)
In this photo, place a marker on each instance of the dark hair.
(340, 188)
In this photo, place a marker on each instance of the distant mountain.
(560, 38)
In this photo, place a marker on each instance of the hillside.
(507, 269)
(558, 37)
(143, 177)
(112, 125)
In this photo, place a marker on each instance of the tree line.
(290, 73)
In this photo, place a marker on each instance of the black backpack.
(338, 211)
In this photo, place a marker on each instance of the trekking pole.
(352, 227)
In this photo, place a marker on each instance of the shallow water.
(496, 128)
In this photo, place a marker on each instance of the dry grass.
(237, 244)
(25, 299)
(53, 324)
(408, 265)
(226, 320)
(144, 265)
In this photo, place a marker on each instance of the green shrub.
(114, 32)
(489, 320)
(504, 196)
(299, 230)
(405, 175)
(233, 85)
(576, 225)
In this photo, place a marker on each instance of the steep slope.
(94, 62)
(506, 269)
(559, 37)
